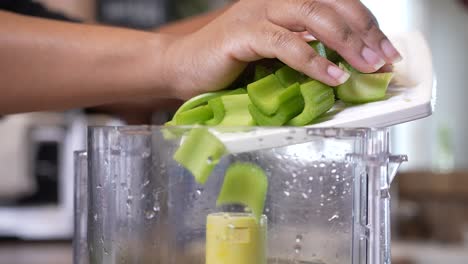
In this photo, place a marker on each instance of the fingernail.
(390, 51)
(372, 58)
(338, 74)
(307, 36)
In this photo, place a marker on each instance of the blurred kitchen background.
(430, 206)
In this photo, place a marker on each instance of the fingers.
(361, 20)
(278, 42)
(324, 22)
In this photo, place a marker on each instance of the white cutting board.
(411, 96)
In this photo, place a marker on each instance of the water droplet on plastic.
(142, 196)
(286, 193)
(328, 199)
(322, 196)
(333, 187)
(129, 200)
(267, 210)
(199, 192)
(309, 191)
(337, 176)
(156, 208)
(99, 187)
(305, 196)
(298, 238)
(315, 166)
(95, 217)
(145, 154)
(149, 214)
(297, 249)
(333, 171)
(331, 192)
(294, 174)
(321, 178)
(347, 184)
(287, 183)
(311, 178)
(321, 204)
(322, 165)
(146, 183)
(335, 216)
(295, 180)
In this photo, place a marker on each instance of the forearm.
(55, 65)
(191, 24)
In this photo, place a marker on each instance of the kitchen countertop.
(61, 253)
(35, 252)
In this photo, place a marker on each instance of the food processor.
(327, 199)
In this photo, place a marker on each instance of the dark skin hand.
(93, 65)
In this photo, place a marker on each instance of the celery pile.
(280, 96)
(276, 96)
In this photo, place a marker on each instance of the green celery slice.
(318, 99)
(292, 103)
(246, 184)
(319, 48)
(363, 88)
(261, 72)
(288, 76)
(197, 115)
(204, 98)
(200, 153)
(217, 107)
(264, 94)
(231, 110)
(236, 111)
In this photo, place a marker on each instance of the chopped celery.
(287, 76)
(318, 99)
(197, 115)
(261, 72)
(363, 88)
(264, 94)
(200, 153)
(246, 184)
(291, 104)
(204, 98)
(319, 48)
(231, 110)
(217, 107)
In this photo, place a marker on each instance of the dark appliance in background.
(140, 14)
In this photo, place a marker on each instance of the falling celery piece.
(204, 98)
(363, 88)
(197, 115)
(246, 184)
(199, 153)
(231, 110)
(264, 94)
(318, 99)
(261, 72)
(291, 102)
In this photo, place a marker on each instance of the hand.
(211, 58)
